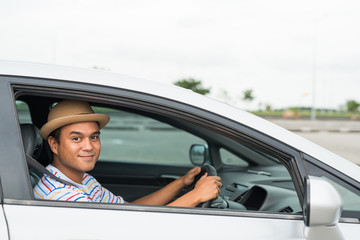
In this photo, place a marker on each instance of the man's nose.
(88, 144)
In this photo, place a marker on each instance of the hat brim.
(102, 119)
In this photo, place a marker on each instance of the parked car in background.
(276, 185)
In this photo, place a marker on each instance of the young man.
(73, 134)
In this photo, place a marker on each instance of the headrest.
(31, 139)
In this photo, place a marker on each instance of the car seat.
(32, 145)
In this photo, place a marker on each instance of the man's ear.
(53, 145)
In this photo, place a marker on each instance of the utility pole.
(314, 72)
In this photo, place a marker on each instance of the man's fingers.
(204, 176)
(195, 171)
(217, 180)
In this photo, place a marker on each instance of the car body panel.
(128, 219)
(3, 226)
(184, 96)
(136, 225)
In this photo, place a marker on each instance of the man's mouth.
(87, 157)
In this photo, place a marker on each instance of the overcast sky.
(277, 48)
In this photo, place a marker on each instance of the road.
(346, 145)
(340, 137)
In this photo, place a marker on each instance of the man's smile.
(90, 157)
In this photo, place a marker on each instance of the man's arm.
(206, 189)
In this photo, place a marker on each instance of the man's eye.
(95, 137)
(76, 139)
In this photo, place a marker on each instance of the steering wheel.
(211, 171)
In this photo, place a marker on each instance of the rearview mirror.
(322, 210)
(198, 154)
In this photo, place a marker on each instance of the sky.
(289, 52)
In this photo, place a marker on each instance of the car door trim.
(159, 209)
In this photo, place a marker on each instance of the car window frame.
(146, 102)
(14, 176)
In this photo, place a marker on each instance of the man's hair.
(56, 135)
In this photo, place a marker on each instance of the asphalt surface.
(318, 125)
(340, 137)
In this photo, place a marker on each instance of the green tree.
(268, 108)
(248, 95)
(192, 84)
(352, 106)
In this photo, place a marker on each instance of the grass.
(307, 114)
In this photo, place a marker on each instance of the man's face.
(79, 148)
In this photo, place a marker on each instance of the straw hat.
(71, 111)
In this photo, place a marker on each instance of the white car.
(276, 185)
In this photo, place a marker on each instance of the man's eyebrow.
(79, 133)
(75, 132)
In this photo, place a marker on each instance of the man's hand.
(207, 188)
(189, 177)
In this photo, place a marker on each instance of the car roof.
(172, 92)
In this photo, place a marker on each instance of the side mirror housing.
(322, 210)
(198, 154)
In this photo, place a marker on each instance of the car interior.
(142, 151)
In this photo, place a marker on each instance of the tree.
(268, 107)
(192, 84)
(352, 106)
(248, 95)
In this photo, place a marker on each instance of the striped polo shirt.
(89, 191)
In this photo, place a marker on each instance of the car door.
(39, 219)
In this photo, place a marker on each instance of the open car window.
(144, 150)
(251, 176)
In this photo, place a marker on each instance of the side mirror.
(198, 154)
(322, 210)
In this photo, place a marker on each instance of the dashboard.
(258, 191)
